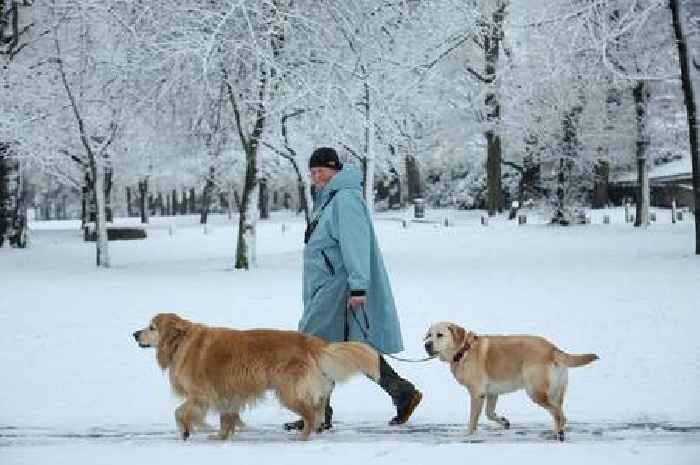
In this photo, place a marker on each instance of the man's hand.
(355, 301)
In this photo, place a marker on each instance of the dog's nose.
(136, 335)
(429, 347)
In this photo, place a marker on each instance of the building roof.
(676, 170)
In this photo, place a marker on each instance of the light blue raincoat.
(342, 255)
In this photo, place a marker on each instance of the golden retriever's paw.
(301, 436)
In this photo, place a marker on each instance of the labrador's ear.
(458, 333)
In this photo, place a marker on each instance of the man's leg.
(403, 393)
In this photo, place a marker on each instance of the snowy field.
(75, 389)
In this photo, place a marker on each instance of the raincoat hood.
(349, 177)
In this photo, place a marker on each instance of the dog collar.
(460, 353)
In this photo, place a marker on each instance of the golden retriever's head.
(165, 332)
(445, 339)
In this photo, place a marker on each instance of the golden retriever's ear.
(458, 333)
(170, 336)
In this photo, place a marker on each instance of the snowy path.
(76, 389)
(364, 433)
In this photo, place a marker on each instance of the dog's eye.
(152, 328)
(439, 335)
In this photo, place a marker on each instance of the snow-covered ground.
(76, 389)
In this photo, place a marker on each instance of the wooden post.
(673, 211)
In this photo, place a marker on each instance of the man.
(347, 295)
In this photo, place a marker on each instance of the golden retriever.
(226, 370)
(491, 365)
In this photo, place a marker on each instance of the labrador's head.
(444, 339)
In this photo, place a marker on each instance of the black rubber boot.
(403, 393)
(327, 421)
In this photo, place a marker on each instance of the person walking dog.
(346, 290)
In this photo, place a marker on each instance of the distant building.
(667, 181)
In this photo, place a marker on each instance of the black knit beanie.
(326, 157)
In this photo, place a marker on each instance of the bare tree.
(691, 109)
(13, 28)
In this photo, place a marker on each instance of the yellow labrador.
(491, 365)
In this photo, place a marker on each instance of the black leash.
(366, 336)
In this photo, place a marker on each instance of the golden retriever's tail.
(341, 360)
(572, 361)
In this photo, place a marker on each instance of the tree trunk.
(303, 188)
(247, 222)
(129, 207)
(689, 97)
(263, 199)
(207, 194)
(229, 204)
(95, 167)
(193, 201)
(84, 200)
(559, 216)
(143, 200)
(174, 202)
(160, 205)
(640, 102)
(413, 184)
(101, 242)
(492, 40)
(12, 206)
(109, 216)
(494, 199)
(237, 201)
(369, 153)
(601, 173)
(303, 203)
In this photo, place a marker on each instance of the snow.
(76, 388)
